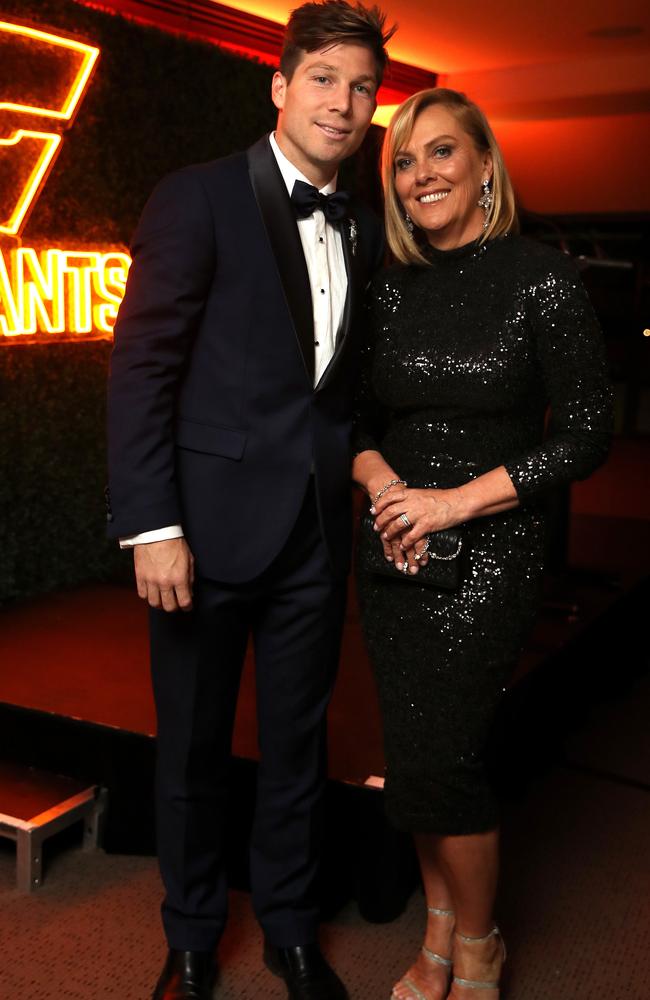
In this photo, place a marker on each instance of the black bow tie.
(305, 199)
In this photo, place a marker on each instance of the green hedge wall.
(52, 468)
(156, 102)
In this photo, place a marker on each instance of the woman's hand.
(431, 510)
(427, 511)
(414, 557)
(392, 550)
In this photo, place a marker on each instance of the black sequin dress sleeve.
(464, 357)
(570, 356)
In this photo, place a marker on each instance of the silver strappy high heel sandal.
(431, 956)
(477, 984)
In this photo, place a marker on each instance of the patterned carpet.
(574, 904)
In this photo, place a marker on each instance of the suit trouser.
(295, 613)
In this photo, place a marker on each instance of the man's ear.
(278, 89)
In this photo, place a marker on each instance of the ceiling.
(475, 35)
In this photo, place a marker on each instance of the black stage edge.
(364, 857)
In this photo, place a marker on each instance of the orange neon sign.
(54, 93)
(56, 292)
(71, 292)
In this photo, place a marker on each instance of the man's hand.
(164, 572)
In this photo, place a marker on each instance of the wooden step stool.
(36, 804)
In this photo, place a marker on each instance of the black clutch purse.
(444, 570)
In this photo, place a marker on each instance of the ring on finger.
(405, 521)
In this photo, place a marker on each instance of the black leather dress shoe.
(187, 975)
(306, 973)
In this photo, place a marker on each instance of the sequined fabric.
(462, 359)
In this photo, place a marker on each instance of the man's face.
(326, 108)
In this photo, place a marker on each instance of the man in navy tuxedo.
(230, 401)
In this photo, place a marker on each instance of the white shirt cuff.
(157, 535)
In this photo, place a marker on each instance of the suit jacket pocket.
(227, 442)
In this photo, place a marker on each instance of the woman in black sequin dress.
(473, 334)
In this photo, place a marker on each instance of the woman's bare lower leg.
(459, 874)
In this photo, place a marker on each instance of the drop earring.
(485, 201)
(409, 224)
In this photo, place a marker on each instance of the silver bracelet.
(385, 489)
(447, 558)
(425, 549)
(433, 555)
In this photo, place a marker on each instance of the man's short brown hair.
(316, 26)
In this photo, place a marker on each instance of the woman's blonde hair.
(502, 215)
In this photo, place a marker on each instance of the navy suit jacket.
(213, 418)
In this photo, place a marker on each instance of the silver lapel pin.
(353, 236)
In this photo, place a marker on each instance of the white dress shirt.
(323, 249)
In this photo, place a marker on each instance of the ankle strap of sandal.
(493, 933)
(440, 913)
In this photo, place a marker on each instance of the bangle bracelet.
(385, 489)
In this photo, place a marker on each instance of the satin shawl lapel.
(280, 224)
